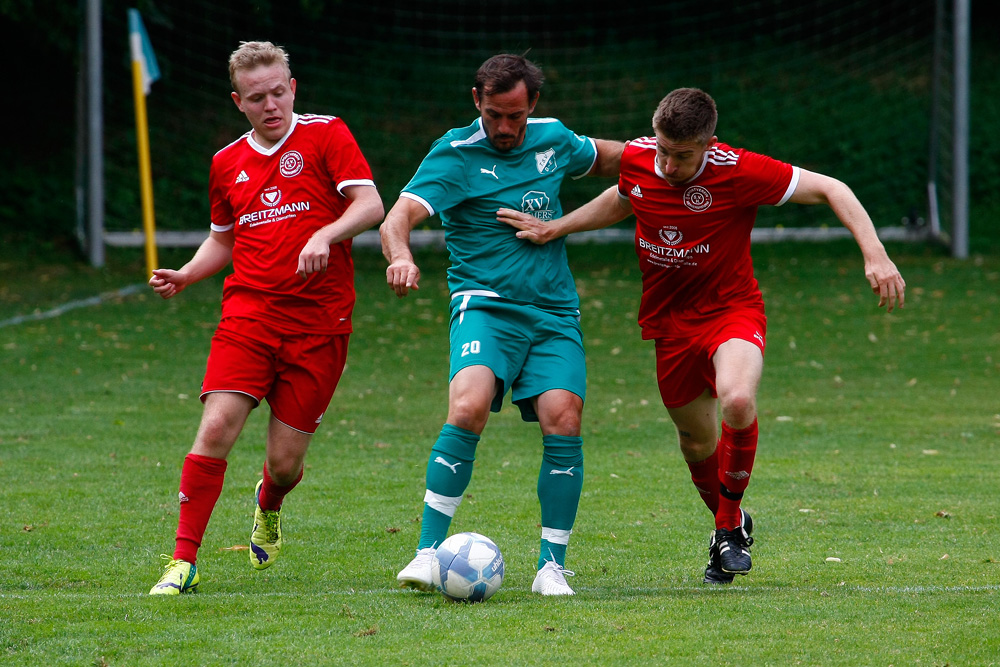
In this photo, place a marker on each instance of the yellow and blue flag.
(142, 50)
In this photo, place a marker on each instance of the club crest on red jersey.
(271, 196)
(291, 164)
(670, 235)
(697, 198)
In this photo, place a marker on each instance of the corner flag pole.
(144, 72)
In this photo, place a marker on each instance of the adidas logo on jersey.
(636, 192)
(242, 178)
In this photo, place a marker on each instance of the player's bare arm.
(402, 275)
(213, 255)
(609, 158)
(603, 211)
(364, 211)
(881, 272)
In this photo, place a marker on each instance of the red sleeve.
(761, 180)
(221, 211)
(625, 185)
(344, 161)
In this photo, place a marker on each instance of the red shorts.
(296, 373)
(684, 367)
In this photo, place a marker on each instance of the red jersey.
(274, 200)
(693, 240)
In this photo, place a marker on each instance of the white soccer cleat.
(418, 573)
(551, 580)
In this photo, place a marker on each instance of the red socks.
(201, 484)
(705, 475)
(738, 449)
(271, 494)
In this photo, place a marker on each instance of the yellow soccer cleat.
(265, 539)
(179, 576)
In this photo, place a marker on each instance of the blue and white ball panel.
(467, 567)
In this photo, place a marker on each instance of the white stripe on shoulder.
(469, 141)
(309, 118)
(542, 120)
(722, 158)
(644, 142)
(794, 183)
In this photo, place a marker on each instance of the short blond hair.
(256, 54)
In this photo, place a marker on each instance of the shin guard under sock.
(201, 485)
(560, 483)
(739, 448)
(449, 470)
(705, 476)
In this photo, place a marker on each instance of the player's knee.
(568, 424)
(468, 414)
(696, 450)
(284, 471)
(739, 408)
(562, 417)
(215, 438)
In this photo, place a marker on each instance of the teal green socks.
(449, 469)
(560, 483)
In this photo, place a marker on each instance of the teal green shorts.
(529, 350)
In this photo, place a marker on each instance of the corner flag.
(144, 72)
(142, 50)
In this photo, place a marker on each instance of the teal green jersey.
(465, 180)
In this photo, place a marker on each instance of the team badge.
(537, 204)
(697, 198)
(291, 164)
(546, 161)
(670, 235)
(271, 196)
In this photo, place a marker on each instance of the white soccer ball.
(467, 567)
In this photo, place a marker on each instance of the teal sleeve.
(440, 179)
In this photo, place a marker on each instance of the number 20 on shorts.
(471, 347)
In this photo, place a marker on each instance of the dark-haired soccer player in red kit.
(286, 199)
(695, 200)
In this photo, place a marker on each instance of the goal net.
(855, 89)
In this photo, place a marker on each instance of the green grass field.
(880, 447)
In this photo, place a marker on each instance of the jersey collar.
(704, 161)
(281, 142)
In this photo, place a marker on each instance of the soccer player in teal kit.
(515, 319)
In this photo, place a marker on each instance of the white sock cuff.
(556, 536)
(444, 504)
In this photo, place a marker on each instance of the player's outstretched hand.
(887, 282)
(530, 228)
(314, 258)
(402, 276)
(167, 282)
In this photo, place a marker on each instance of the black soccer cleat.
(734, 550)
(714, 574)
